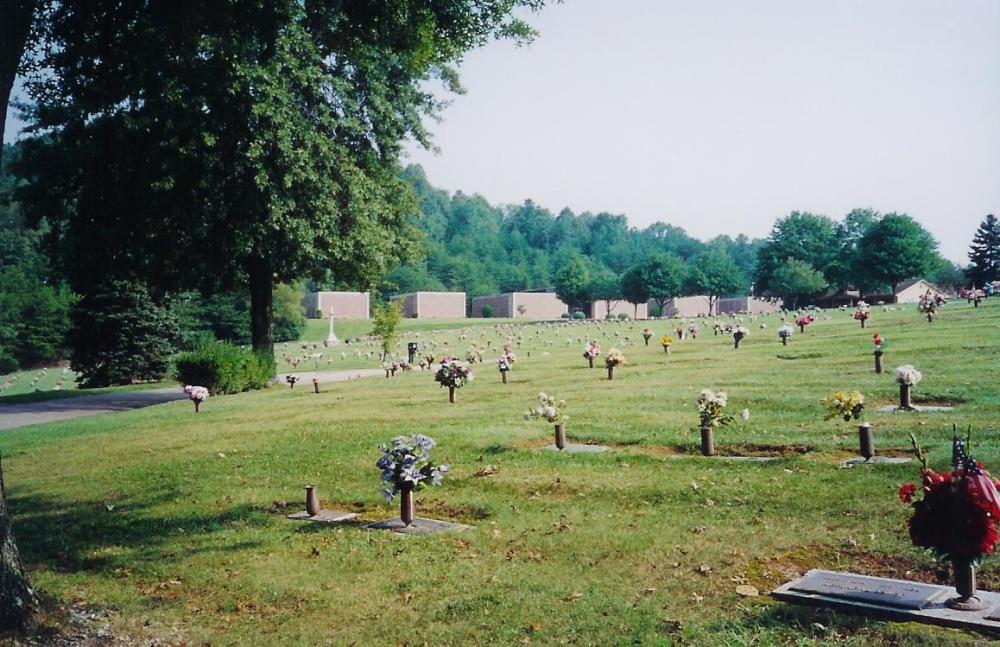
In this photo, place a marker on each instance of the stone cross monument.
(331, 339)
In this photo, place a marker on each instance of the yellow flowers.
(844, 404)
(614, 358)
(666, 340)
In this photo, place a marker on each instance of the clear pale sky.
(720, 116)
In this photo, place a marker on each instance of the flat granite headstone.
(919, 408)
(573, 448)
(420, 526)
(877, 460)
(889, 598)
(324, 516)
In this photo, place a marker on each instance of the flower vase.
(784, 340)
(930, 317)
(904, 397)
(451, 394)
(707, 442)
(313, 507)
(647, 340)
(965, 586)
(590, 360)
(387, 374)
(802, 329)
(736, 342)
(560, 436)
(503, 376)
(406, 505)
(878, 362)
(666, 349)
(866, 440)
(611, 372)
(197, 406)
(316, 386)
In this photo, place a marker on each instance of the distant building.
(911, 291)
(432, 305)
(835, 299)
(529, 305)
(748, 305)
(599, 309)
(346, 305)
(683, 306)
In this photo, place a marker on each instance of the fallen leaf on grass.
(575, 595)
(487, 470)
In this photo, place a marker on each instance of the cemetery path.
(13, 416)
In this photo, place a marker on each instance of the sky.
(721, 116)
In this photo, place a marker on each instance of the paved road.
(34, 413)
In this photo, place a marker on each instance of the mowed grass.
(177, 521)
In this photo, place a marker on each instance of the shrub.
(579, 315)
(488, 311)
(223, 368)
(7, 363)
(623, 316)
(119, 335)
(655, 310)
(289, 315)
(564, 315)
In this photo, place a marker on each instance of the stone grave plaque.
(573, 448)
(420, 526)
(874, 590)
(324, 516)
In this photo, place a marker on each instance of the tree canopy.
(984, 252)
(896, 248)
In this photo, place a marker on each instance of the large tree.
(634, 288)
(795, 282)
(242, 143)
(801, 236)
(605, 286)
(984, 252)
(663, 276)
(894, 249)
(16, 18)
(713, 273)
(18, 601)
(573, 282)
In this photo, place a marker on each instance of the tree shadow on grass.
(97, 536)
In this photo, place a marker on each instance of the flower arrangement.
(785, 331)
(666, 341)
(505, 362)
(862, 313)
(614, 358)
(693, 330)
(453, 373)
(196, 394)
(711, 408)
(474, 355)
(848, 405)
(548, 409)
(647, 334)
(907, 375)
(291, 380)
(929, 303)
(739, 332)
(804, 321)
(592, 349)
(405, 465)
(879, 342)
(957, 516)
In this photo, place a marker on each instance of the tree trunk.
(15, 26)
(711, 304)
(17, 600)
(262, 306)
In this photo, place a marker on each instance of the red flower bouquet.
(957, 516)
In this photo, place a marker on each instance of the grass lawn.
(55, 383)
(176, 520)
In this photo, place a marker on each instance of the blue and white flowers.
(405, 464)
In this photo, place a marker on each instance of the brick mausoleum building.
(527, 305)
(346, 305)
(432, 305)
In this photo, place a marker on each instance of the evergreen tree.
(984, 252)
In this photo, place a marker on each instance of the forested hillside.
(479, 248)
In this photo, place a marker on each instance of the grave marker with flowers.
(505, 362)
(850, 405)
(453, 374)
(739, 332)
(929, 303)
(612, 359)
(907, 377)
(711, 414)
(803, 321)
(196, 394)
(291, 380)
(591, 350)
(406, 467)
(956, 518)
(551, 410)
(785, 333)
(879, 346)
(862, 313)
(666, 341)
(647, 334)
